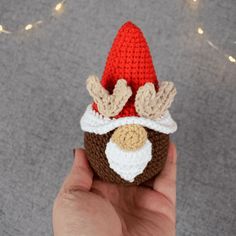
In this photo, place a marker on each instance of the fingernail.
(74, 152)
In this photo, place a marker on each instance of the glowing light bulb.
(59, 6)
(2, 30)
(232, 59)
(28, 27)
(194, 0)
(200, 30)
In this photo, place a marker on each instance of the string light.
(200, 30)
(31, 26)
(2, 30)
(231, 59)
(28, 27)
(59, 6)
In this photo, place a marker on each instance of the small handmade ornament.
(127, 127)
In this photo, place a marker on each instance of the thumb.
(80, 176)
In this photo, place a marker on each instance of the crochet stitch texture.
(127, 126)
(129, 58)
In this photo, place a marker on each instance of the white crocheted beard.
(128, 164)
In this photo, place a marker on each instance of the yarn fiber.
(129, 137)
(95, 146)
(128, 124)
(129, 58)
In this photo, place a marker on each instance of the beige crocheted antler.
(151, 104)
(109, 105)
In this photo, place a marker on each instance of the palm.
(94, 207)
(140, 210)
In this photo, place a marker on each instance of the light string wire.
(211, 44)
(58, 8)
(201, 31)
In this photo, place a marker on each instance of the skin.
(88, 206)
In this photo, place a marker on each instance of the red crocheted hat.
(130, 59)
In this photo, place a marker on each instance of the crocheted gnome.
(127, 127)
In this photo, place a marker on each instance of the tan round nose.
(130, 137)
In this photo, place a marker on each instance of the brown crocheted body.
(95, 146)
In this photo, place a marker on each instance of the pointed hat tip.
(129, 25)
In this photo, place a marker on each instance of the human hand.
(87, 206)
